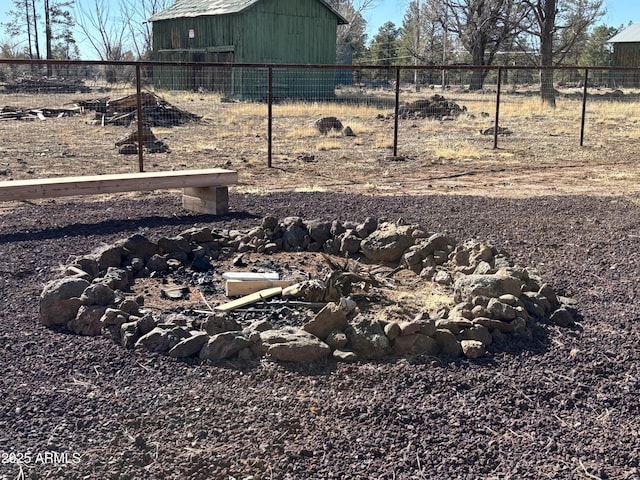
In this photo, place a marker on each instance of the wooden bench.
(205, 191)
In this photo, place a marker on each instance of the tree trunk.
(477, 75)
(48, 35)
(477, 80)
(547, 92)
(28, 18)
(35, 30)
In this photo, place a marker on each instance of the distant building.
(344, 56)
(626, 53)
(247, 31)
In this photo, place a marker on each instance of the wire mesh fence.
(73, 118)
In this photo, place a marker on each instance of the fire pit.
(303, 291)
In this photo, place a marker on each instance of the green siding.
(626, 54)
(286, 31)
(270, 31)
(209, 32)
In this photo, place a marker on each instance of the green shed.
(626, 53)
(249, 32)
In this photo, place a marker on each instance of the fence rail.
(278, 105)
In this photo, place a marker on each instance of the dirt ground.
(563, 405)
(541, 157)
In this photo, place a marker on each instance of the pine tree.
(384, 49)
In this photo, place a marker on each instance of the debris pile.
(121, 111)
(128, 145)
(46, 85)
(359, 311)
(436, 107)
(156, 112)
(492, 130)
(30, 114)
(326, 124)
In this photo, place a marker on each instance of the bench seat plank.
(112, 183)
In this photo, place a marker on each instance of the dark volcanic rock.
(60, 300)
(562, 404)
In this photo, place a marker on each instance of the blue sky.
(619, 12)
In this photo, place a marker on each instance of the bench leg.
(213, 200)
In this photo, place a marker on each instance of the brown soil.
(397, 295)
(563, 405)
(541, 157)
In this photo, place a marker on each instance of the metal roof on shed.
(200, 8)
(631, 34)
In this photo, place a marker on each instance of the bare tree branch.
(104, 32)
(483, 27)
(135, 14)
(547, 17)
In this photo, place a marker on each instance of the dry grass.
(542, 156)
(310, 189)
(302, 132)
(613, 177)
(456, 150)
(526, 107)
(328, 144)
(410, 297)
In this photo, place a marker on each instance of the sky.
(619, 12)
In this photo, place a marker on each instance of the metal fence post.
(397, 110)
(496, 126)
(140, 120)
(584, 105)
(269, 115)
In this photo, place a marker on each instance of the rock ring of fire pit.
(387, 289)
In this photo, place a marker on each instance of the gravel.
(563, 405)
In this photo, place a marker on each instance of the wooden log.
(212, 200)
(147, 136)
(236, 288)
(120, 119)
(130, 102)
(127, 182)
(249, 299)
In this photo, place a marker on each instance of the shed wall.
(270, 31)
(626, 55)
